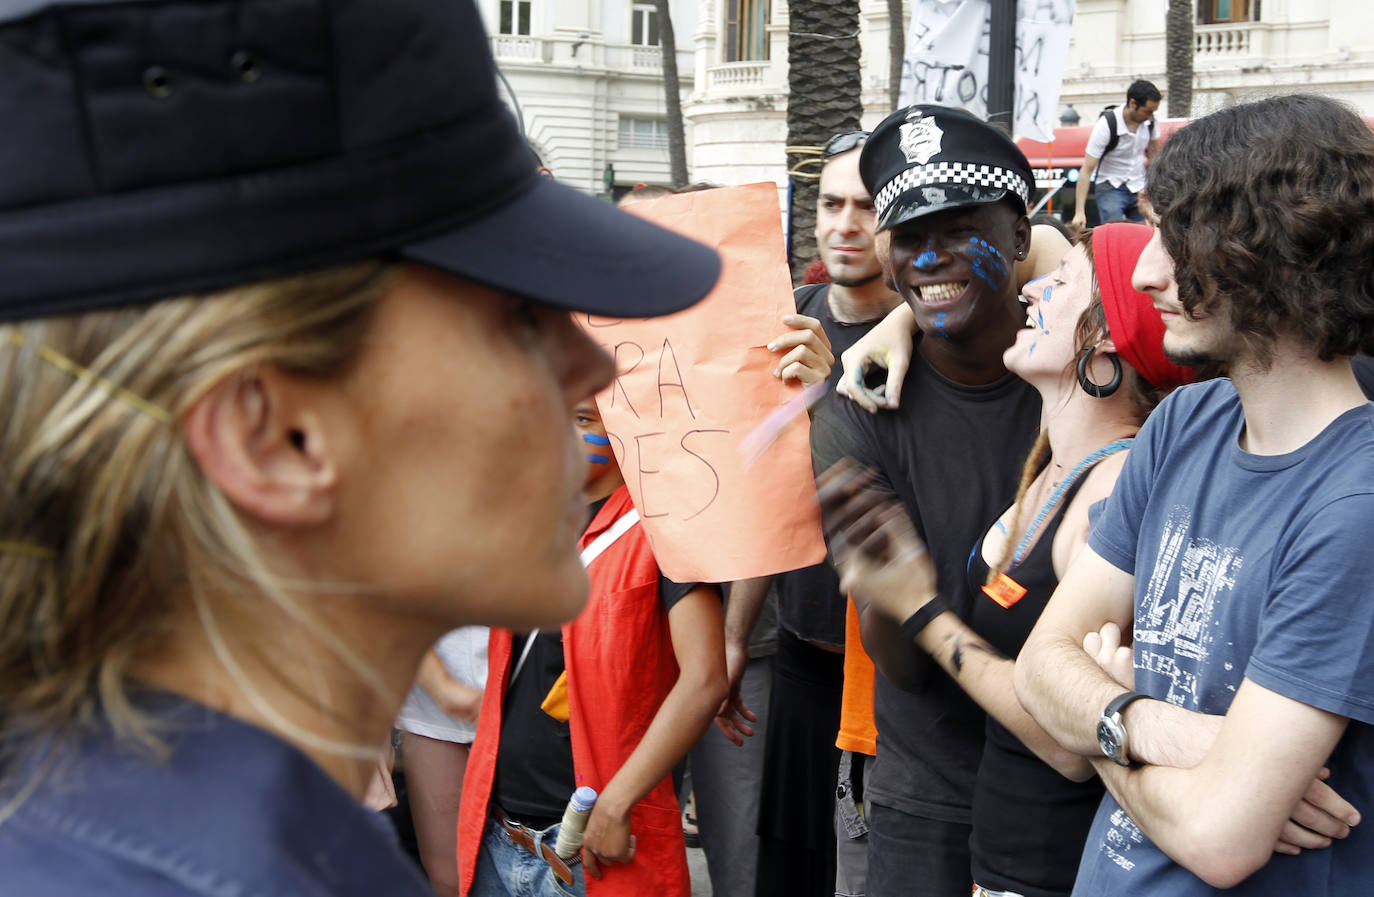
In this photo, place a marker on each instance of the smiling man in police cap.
(952, 191)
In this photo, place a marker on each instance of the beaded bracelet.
(921, 619)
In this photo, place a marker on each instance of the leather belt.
(524, 838)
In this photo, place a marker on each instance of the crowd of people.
(303, 447)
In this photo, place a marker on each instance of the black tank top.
(1029, 822)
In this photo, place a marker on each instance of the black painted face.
(957, 268)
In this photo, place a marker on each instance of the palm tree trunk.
(672, 94)
(824, 84)
(1178, 57)
(896, 51)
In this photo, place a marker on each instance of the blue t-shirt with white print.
(1246, 567)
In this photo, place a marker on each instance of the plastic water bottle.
(574, 822)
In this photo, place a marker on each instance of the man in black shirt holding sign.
(797, 847)
(952, 191)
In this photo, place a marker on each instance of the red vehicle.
(1056, 165)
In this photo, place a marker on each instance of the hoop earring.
(1093, 389)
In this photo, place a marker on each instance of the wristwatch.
(1111, 732)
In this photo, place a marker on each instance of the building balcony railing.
(646, 58)
(1224, 41)
(512, 47)
(737, 75)
(573, 52)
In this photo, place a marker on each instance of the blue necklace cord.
(1110, 448)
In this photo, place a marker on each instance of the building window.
(644, 25)
(515, 17)
(643, 133)
(1217, 12)
(746, 34)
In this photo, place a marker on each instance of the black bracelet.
(921, 619)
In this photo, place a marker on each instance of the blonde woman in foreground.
(288, 381)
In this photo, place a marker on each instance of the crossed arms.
(1216, 793)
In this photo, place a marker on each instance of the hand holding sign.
(691, 385)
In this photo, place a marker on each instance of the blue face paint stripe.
(925, 259)
(989, 265)
(593, 439)
(598, 459)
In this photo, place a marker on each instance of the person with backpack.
(1116, 157)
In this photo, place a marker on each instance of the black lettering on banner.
(943, 72)
(644, 496)
(925, 30)
(715, 490)
(1024, 55)
(1057, 12)
(616, 385)
(609, 322)
(918, 73)
(968, 86)
(669, 353)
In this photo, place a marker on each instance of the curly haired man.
(1235, 542)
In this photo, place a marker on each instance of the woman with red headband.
(1093, 350)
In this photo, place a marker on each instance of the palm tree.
(1178, 57)
(823, 99)
(672, 92)
(896, 51)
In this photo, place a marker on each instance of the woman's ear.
(1106, 346)
(260, 437)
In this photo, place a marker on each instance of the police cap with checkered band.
(927, 158)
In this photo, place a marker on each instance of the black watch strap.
(1120, 702)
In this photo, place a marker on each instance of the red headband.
(1135, 325)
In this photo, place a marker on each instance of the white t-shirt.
(463, 653)
(1125, 164)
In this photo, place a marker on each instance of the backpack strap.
(1113, 138)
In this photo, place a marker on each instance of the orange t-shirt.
(857, 731)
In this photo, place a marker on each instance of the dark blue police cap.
(928, 158)
(154, 148)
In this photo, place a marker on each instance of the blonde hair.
(121, 526)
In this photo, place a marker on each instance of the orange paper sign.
(689, 388)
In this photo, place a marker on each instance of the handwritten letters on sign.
(689, 386)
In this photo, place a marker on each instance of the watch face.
(1109, 738)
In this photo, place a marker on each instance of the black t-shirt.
(534, 765)
(1029, 822)
(952, 454)
(810, 603)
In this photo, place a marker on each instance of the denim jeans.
(506, 870)
(1117, 203)
(851, 829)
